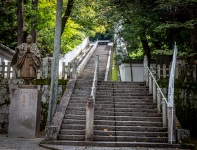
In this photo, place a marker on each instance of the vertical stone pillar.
(171, 125)
(145, 69)
(89, 119)
(25, 111)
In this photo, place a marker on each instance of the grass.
(114, 75)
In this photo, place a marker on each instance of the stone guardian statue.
(27, 60)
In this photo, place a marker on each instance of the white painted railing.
(108, 65)
(159, 98)
(90, 104)
(86, 59)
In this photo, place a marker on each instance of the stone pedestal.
(25, 111)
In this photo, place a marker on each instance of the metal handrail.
(95, 79)
(90, 104)
(156, 83)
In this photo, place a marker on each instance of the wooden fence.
(6, 71)
(182, 72)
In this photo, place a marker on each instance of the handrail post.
(89, 119)
(171, 125)
(158, 100)
(145, 69)
(154, 92)
(150, 84)
(164, 112)
(90, 104)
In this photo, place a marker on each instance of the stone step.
(116, 118)
(117, 100)
(129, 133)
(130, 139)
(135, 102)
(71, 137)
(130, 128)
(76, 112)
(73, 126)
(136, 114)
(72, 132)
(126, 109)
(125, 97)
(115, 144)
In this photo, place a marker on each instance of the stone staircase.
(73, 127)
(125, 115)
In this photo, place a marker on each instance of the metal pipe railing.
(90, 104)
(153, 85)
(161, 100)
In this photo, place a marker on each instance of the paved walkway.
(7, 143)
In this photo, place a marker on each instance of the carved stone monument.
(25, 107)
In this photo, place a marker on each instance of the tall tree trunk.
(33, 23)
(67, 14)
(193, 33)
(146, 47)
(55, 63)
(20, 22)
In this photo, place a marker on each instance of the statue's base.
(25, 108)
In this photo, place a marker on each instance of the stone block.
(25, 108)
(182, 134)
(51, 133)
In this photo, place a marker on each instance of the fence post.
(164, 71)
(63, 70)
(171, 125)
(89, 119)
(150, 84)
(154, 92)
(145, 69)
(158, 100)
(3, 70)
(68, 71)
(164, 112)
(74, 71)
(158, 71)
(8, 70)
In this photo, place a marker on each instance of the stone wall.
(5, 101)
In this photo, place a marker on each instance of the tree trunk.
(67, 14)
(193, 33)
(146, 47)
(33, 23)
(20, 22)
(55, 63)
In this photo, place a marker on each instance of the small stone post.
(68, 71)
(145, 69)
(89, 119)
(150, 84)
(171, 125)
(158, 100)
(74, 71)
(63, 70)
(164, 112)
(154, 92)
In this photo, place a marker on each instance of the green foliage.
(8, 19)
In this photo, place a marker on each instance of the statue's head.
(29, 39)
